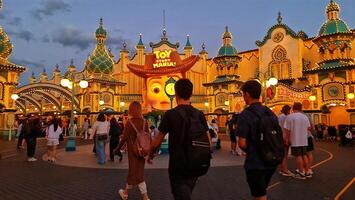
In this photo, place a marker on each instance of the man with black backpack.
(260, 136)
(189, 142)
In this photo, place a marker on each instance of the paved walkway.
(83, 157)
(20, 180)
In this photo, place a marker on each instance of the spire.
(188, 44)
(140, 42)
(279, 18)
(203, 46)
(56, 69)
(110, 53)
(71, 67)
(32, 78)
(227, 37)
(164, 37)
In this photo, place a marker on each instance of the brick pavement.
(41, 180)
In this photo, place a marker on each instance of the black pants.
(31, 146)
(94, 147)
(258, 181)
(19, 142)
(182, 187)
(113, 145)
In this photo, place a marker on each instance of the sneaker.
(287, 173)
(31, 159)
(308, 175)
(310, 171)
(299, 175)
(122, 194)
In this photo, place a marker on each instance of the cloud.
(49, 8)
(10, 19)
(15, 21)
(45, 39)
(22, 34)
(28, 63)
(72, 37)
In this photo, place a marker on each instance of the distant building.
(317, 71)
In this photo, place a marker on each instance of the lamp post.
(170, 90)
(267, 83)
(70, 85)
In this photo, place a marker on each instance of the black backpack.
(196, 154)
(269, 141)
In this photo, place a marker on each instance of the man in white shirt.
(296, 126)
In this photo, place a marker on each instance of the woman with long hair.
(115, 132)
(34, 130)
(135, 164)
(53, 133)
(101, 130)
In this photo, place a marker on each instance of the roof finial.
(226, 29)
(0, 4)
(279, 18)
(124, 45)
(101, 21)
(164, 19)
(72, 62)
(203, 46)
(33, 74)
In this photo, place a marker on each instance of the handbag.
(102, 137)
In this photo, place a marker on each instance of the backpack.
(141, 145)
(269, 141)
(196, 153)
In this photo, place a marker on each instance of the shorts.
(259, 180)
(310, 146)
(52, 142)
(299, 151)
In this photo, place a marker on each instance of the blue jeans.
(100, 151)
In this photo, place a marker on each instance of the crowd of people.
(192, 140)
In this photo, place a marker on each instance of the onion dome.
(334, 24)
(101, 32)
(5, 45)
(100, 60)
(332, 6)
(227, 34)
(227, 49)
(188, 44)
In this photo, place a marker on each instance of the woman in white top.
(53, 132)
(101, 129)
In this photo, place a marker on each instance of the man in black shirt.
(258, 172)
(173, 123)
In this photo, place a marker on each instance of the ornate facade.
(9, 74)
(317, 71)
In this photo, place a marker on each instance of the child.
(90, 132)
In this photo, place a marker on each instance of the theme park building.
(317, 71)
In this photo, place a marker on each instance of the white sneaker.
(31, 159)
(310, 171)
(122, 194)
